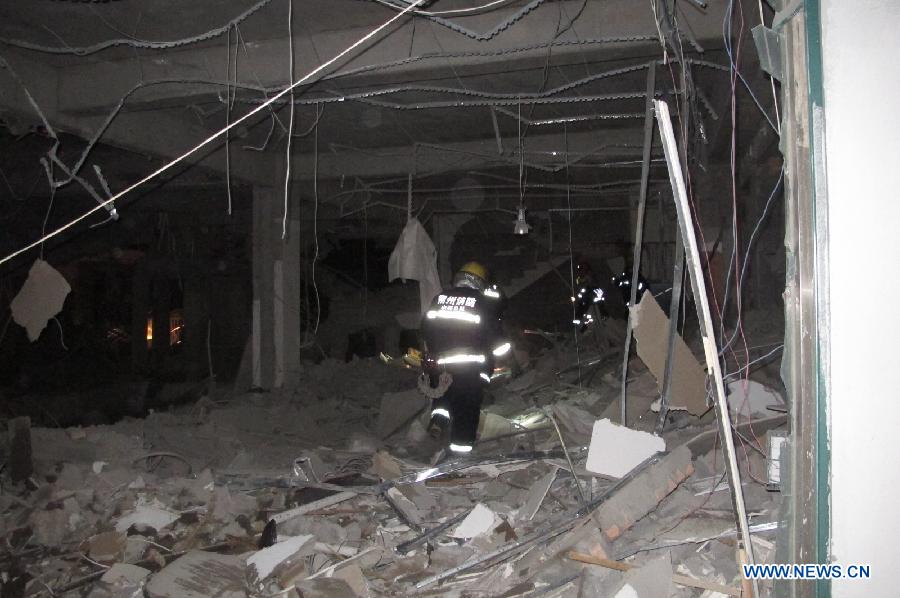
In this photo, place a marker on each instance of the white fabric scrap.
(415, 258)
(40, 298)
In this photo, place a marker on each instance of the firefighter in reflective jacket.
(463, 338)
(588, 298)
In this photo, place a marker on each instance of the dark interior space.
(382, 297)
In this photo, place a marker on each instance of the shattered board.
(41, 298)
(651, 330)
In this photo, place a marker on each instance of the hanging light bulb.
(521, 227)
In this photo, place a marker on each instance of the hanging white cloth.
(415, 258)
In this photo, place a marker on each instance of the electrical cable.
(155, 45)
(49, 169)
(316, 226)
(481, 37)
(456, 11)
(246, 53)
(217, 134)
(52, 153)
(571, 258)
(62, 340)
(756, 228)
(228, 120)
(290, 131)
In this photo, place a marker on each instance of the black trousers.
(463, 402)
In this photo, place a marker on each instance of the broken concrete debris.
(199, 574)
(688, 377)
(361, 514)
(280, 554)
(147, 515)
(615, 450)
(478, 522)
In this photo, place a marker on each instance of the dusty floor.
(177, 504)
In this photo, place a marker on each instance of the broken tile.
(536, 496)
(107, 547)
(121, 581)
(199, 574)
(406, 508)
(354, 578)
(652, 580)
(421, 496)
(282, 553)
(615, 450)
(386, 466)
(122, 572)
(325, 587)
(49, 527)
(478, 522)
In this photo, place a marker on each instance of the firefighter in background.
(589, 298)
(463, 338)
(623, 283)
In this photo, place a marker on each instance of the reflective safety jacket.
(586, 297)
(463, 326)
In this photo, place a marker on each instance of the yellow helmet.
(476, 269)
(472, 275)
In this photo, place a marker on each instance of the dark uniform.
(463, 336)
(623, 282)
(588, 298)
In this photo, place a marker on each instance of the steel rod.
(638, 232)
(674, 306)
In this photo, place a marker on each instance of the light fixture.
(521, 227)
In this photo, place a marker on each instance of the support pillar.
(275, 332)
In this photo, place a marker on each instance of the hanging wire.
(167, 166)
(287, 175)
(228, 119)
(571, 255)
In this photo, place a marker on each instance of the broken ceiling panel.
(651, 328)
(40, 299)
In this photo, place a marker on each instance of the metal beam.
(698, 284)
(638, 234)
(674, 306)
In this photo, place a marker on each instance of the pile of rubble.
(330, 491)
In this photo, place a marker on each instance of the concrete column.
(291, 292)
(275, 333)
(262, 331)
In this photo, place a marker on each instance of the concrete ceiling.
(425, 98)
